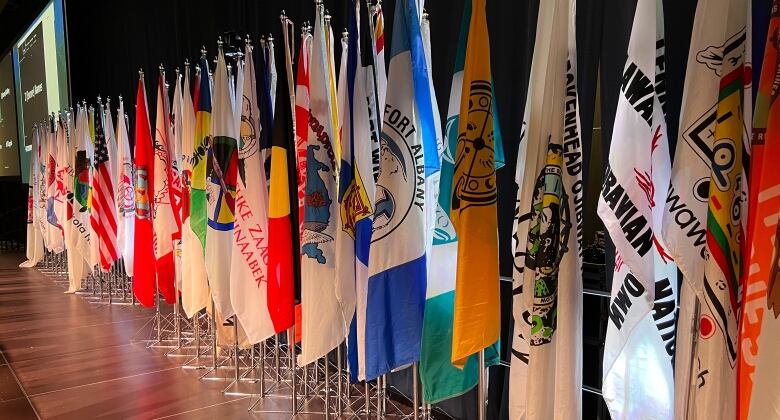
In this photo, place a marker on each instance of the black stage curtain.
(109, 42)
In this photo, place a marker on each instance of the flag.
(103, 204)
(706, 208)
(144, 270)
(195, 287)
(397, 261)
(353, 202)
(639, 348)
(639, 163)
(361, 136)
(249, 270)
(34, 249)
(323, 322)
(302, 122)
(76, 266)
(82, 164)
(476, 318)
(93, 255)
(758, 367)
(280, 254)
(379, 42)
(41, 182)
(176, 186)
(222, 172)
(54, 236)
(440, 379)
(165, 215)
(61, 174)
(125, 195)
(546, 370)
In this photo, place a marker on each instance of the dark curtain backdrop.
(110, 41)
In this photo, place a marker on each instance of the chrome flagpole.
(481, 386)
(416, 393)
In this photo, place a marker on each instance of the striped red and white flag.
(103, 216)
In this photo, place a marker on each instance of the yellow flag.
(477, 318)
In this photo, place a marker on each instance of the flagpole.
(415, 391)
(694, 344)
(481, 385)
(339, 390)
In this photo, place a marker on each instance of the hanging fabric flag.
(440, 379)
(144, 271)
(195, 285)
(110, 133)
(639, 164)
(706, 210)
(408, 160)
(379, 42)
(324, 325)
(476, 318)
(34, 249)
(63, 162)
(55, 242)
(361, 135)
(41, 184)
(353, 204)
(248, 271)
(546, 373)
(175, 155)
(81, 179)
(125, 194)
(281, 297)
(639, 348)
(302, 119)
(221, 186)
(165, 214)
(77, 269)
(103, 204)
(758, 367)
(93, 259)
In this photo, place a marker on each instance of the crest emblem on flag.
(317, 215)
(223, 216)
(474, 187)
(142, 207)
(398, 165)
(547, 243)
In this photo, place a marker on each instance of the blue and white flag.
(357, 181)
(408, 160)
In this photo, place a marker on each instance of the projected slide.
(9, 136)
(41, 76)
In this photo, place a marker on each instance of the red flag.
(144, 268)
(103, 217)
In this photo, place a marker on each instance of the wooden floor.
(62, 357)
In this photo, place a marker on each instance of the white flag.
(248, 270)
(34, 250)
(221, 187)
(706, 208)
(546, 372)
(637, 360)
(165, 217)
(125, 197)
(195, 287)
(324, 325)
